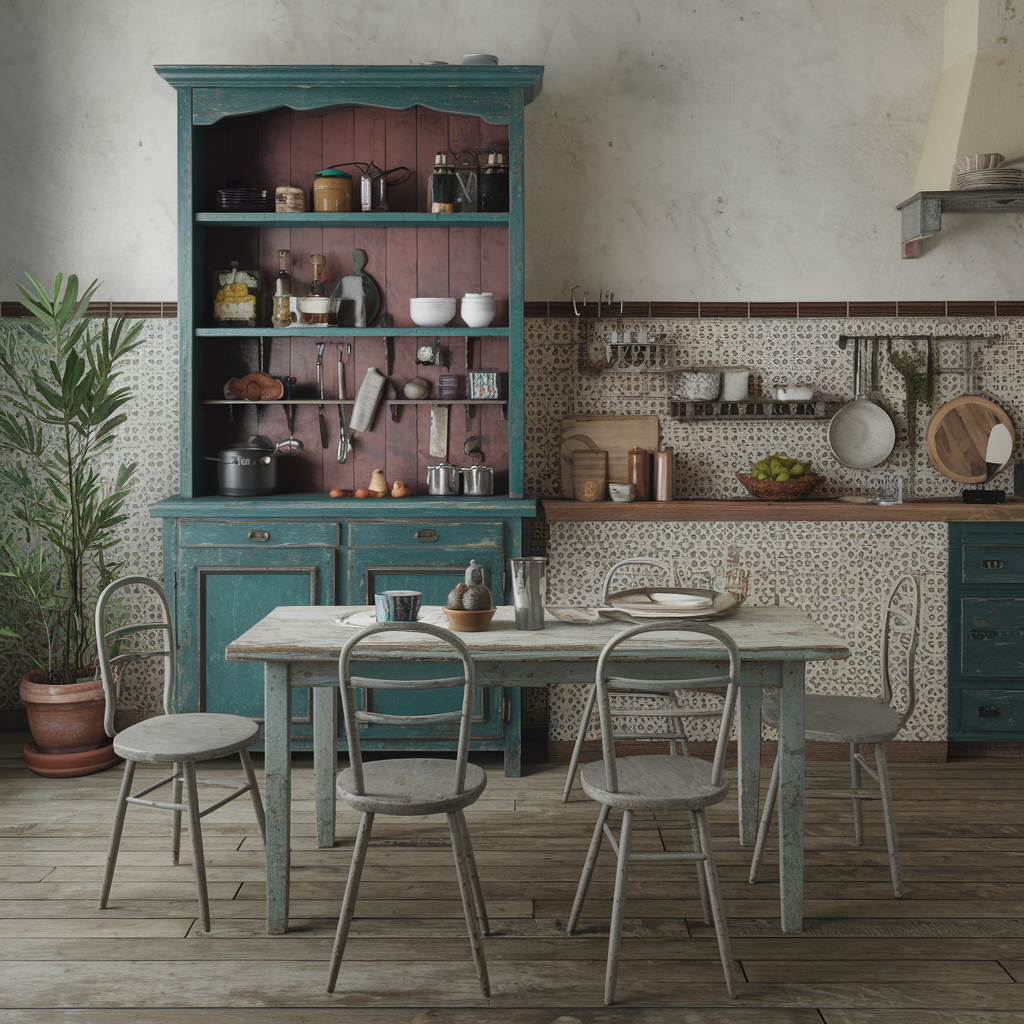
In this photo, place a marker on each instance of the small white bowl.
(479, 58)
(431, 312)
(978, 162)
(792, 393)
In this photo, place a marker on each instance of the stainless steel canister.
(529, 591)
(477, 480)
(442, 479)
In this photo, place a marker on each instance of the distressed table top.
(312, 634)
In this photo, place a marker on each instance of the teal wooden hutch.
(232, 560)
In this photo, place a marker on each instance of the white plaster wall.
(717, 149)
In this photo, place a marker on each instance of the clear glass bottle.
(235, 297)
(281, 313)
(317, 286)
(442, 186)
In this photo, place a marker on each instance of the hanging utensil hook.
(572, 296)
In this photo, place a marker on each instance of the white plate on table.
(671, 603)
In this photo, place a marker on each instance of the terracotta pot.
(64, 719)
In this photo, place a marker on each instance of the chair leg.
(588, 712)
(254, 792)
(474, 876)
(196, 836)
(702, 877)
(176, 815)
(890, 819)
(588, 870)
(766, 821)
(468, 907)
(858, 804)
(618, 907)
(721, 927)
(115, 831)
(348, 904)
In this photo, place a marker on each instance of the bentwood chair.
(630, 715)
(857, 720)
(659, 783)
(176, 739)
(412, 786)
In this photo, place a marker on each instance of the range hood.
(979, 102)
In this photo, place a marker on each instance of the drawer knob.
(993, 563)
(259, 535)
(426, 536)
(988, 712)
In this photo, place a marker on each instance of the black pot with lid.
(245, 471)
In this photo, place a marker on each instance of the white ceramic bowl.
(431, 312)
(477, 309)
(697, 386)
(978, 162)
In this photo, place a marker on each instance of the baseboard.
(984, 748)
(14, 719)
(913, 751)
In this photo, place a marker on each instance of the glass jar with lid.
(332, 191)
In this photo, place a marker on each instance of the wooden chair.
(666, 707)
(657, 782)
(412, 786)
(857, 720)
(177, 739)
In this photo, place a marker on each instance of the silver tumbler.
(529, 589)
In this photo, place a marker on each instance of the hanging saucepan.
(245, 472)
(861, 434)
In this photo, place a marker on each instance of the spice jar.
(442, 186)
(493, 188)
(332, 191)
(638, 473)
(664, 475)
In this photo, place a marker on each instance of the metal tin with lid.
(442, 479)
(332, 191)
(477, 480)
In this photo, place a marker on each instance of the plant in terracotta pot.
(64, 498)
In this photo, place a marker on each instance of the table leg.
(748, 750)
(791, 796)
(512, 731)
(325, 761)
(278, 772)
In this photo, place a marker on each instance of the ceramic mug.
(398, 605)
(312, 309)
(620, 491)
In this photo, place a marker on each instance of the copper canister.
(638, 473)
(664, 475)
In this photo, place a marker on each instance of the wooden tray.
(957, 437)
(613, 434)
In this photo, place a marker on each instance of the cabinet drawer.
(996, 562)
(257, 534)
(992, 637)
(991, 711)
(440, 533)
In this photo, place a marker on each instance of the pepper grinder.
(664, 475)
(638, 473)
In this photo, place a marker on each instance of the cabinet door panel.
(221, 594)
(995, 714)
(992, 644)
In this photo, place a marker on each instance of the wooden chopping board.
(957, 437)
(613, 434)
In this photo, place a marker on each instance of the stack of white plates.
(996, 177)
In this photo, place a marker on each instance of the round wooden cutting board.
(957, 437)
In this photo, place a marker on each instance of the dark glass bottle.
(493, 192)
(442, 186)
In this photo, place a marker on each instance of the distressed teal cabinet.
(233, 559)
(986, 631)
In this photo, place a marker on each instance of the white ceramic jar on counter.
(477, 309)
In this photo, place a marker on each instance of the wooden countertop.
(943, 510)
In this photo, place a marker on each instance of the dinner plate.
(671, 603)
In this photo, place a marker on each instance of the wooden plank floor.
(952, 950)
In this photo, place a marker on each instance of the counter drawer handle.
(260, 535)
(988, 712)
(426, 536)
(993, 563)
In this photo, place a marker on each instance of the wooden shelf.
(751, 510)
(922, 213)
(352, 332)
(354, 219)
(349, 401)
(741, 412)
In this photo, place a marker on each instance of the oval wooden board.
(957, 437)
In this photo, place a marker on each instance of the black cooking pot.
(245, 472)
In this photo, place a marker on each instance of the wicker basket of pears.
(779, 477)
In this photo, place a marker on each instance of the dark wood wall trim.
(134, 310)
(759, 310)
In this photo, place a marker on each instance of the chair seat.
(409, 786)
(187, 737)
(836, 719)
(655, 782)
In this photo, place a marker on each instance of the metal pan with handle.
(861, 434)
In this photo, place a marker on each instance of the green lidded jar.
(332, 191)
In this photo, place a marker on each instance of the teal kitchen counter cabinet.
(986, 632)
(238, 559)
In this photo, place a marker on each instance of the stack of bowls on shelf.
(477, 309)
(431, 312)
(983, 171)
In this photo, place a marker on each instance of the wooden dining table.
(300, 647)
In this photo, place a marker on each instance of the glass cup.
(313, 309)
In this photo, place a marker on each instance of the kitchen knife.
(343, 445)
(324, 435)
(439, 431)
(999, 449)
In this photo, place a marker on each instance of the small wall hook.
(572, 296)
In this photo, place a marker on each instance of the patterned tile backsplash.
(838, 572)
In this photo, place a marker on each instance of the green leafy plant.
(63, 495)
(918, 380)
